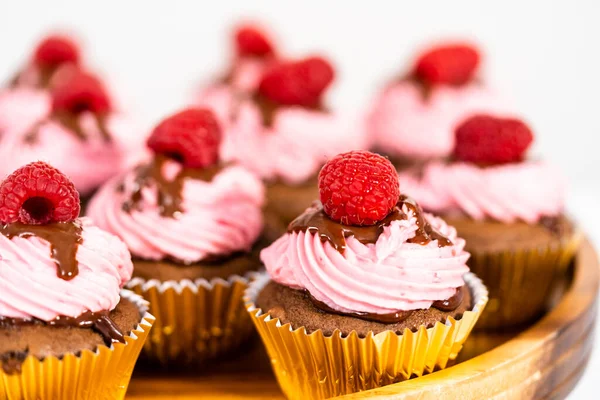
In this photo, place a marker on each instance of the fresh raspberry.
(38, 194)
(80, 92)
(358, 188)
(251, 41)
(297, 82)
(453, 64)
(489, 140)
(56, 50)
(191, 136)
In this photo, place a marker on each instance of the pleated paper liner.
(521, 282)
(195, 321)
(315, 366)
(103, 374)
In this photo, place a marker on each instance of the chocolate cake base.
(296, 307)
(285, 202)
(40, 340)
(492, 236)
(237, 264)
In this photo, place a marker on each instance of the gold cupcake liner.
(522, 283)
(103, 374)
(195, 321)
(316, 366)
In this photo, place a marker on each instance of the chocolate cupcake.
(193, 226)
(65, 324)
(356, 281)
(277, 124)
(414, 118)
(509, 210)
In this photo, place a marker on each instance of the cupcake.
(24, 98)
(414, 118)
(283, 132)
(365, 289)
(193, 226)
(509, 209)
(76, 129)
(66, 327)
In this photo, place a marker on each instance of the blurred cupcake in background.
(74, 126)
(510, 210)
(193, 225)
(23, 98)
(414, 118)
(283, 131)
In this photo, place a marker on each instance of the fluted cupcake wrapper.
(521, 282)
(195, 321)
(102, 374)
(316, 366)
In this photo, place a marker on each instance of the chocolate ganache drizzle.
(64, 239)
(70, 121)
(169, 192)
(315, 220)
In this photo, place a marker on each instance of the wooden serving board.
(541, 361)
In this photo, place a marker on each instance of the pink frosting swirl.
(20, 106)
(525, 191)
(218, 217)
(404, 123)
(293, 149)
(385, 277)
(31, 288)
(88, 163)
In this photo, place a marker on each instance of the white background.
(543, 54)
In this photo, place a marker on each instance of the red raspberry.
(358, 188)
(251, 41)
(297, 82)
(80, 92)
(191, 136)
(489, 140)
(38, 194)
(55, 50)
(452, 64)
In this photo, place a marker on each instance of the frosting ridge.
(384, 277)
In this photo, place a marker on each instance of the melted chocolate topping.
(169, 192)
(64, 238)
(100, 322)
(315, 220)
(71, 122)
(450, 304)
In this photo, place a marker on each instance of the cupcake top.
(183, 205)
(367, 251)
(20, 101)
(489, 177)
(54, 267)
(415, 116)
(281, 129)
(75, 129)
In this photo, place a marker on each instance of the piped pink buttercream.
(405, 123)
(219, 217)
(30, 287)
(385, 277)
(293, 149)
(525, 191)
(88, 163)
